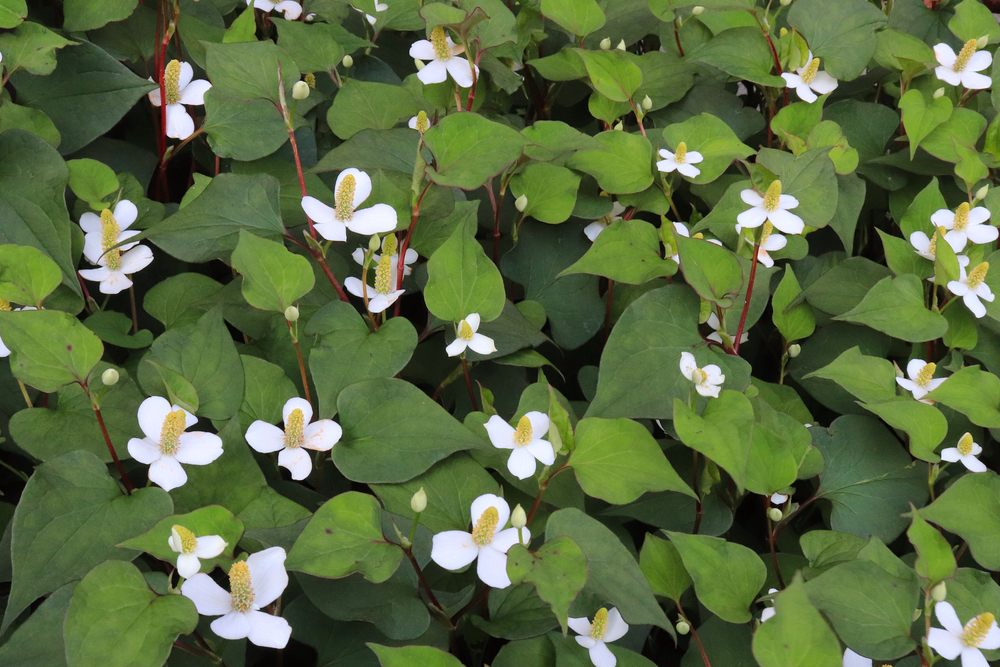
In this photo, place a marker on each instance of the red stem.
(694, 633)
(405, 245)
(677, 37)
(298, 167)
(329, 274)
(107, 441)
(746, 302)
(302, 365)
(541, 492)
(475, 81)
(468, 384)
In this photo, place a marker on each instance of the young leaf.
(274, 278)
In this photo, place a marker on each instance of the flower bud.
(697, 10)
(110, 377)
(982, 42)
(982, 192)
(682, 628)
(605, 44)
(416, 61)
(521, 203)
(785, 3)
(621, 45)
(374, 243)
(300, 90)
(939, 592)
(774, 514)
(783, 32)
(418, 503)
(348, 61)
(938, 93)
(794, 350)
(647, 103)
(310, 17)
(618, 127)
(917, 613)
(292, 314)
(518, 519)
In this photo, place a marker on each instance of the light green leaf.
(558, 570)
(622, 166)
(722, 432)
(797, 636)
(935, 560)
(741, 52)
(551, 191)
(974, 393)
(896, 306)
(664, 569)
(30, 46)
(462, 280)
(81, 15)
(273, 277)
(211, 520)
(579, 17)
(727, 576)
(626, 252)
(27, 275)
(470, 149)
(869, 378)
(249, 70)
(413, 656)
(361, 105)
(924, 423)
(841, 33)
(970, 508)
(794, 322)
(973, 20)
(12, 12)
(49, 348)
(612, 74)
(711, 270)
(920, 117)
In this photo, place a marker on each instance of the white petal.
(267, 575)
(973, 657)
(297, 461)
(688, 170)
(789, 223)
(492, 568)
(143, 450)
(594, 229)
(91, 223)
(233, 625)
(136, 259)
(317, 210)
(982, 233)
(823, 83)
(453, 549)
(694, 157)
(267, 630)
(947, 617)
(666, 166)
(913, 368)
(356, 287)
(791, 80)
(852, 659)
(992, 639)
(210, 546)
(957, 288)
(688, 364)
(322, 435)
(805, 93)
(296, 403)
(460, 71)
(602, 656)
(973, 464)
(978, 215)
(585, 640)
(950, 454)
(423, 50)
(487, 500)
(752, 218)
(167, 472)
(974, 81)
(209, 598)
(194, 93)
(751, 197)
(945, 55)
(521, 463)
(154, 95)
(956, 240)
(972, 303)
(359, 257)
(579, 625)
(332, 231)
(188, 565)
(362, 185)
(501, 433)
(265, 438)
(617, 627)
(505, 539)
(378, 219)
(198, 448)
(948, 75)
(292, 10)
(787, 201)
(126, 213)
(943, 218)
(473, 320)
(543, 451)
(456, 347)
(185, 75)
(979, 61)
(434, 72)
(152, 412)
(382, 301)
(180, 125)
(482, 344)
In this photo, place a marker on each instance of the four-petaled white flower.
(299, 435)
(772, 206)
(408, 261)
(254, 583)
(955, 640)
(769, 241)
(920, 383)
(443, 55)
(191, 549)
(115, 264)
(525, 441)
(488, 541)
(180, 90)
(682, 160)
(807, 79)
(713, 321)
(964, 225)
(383, 294)
(379, 7)
(966, 452)
(468, 338)
(167, 445)
(291, 10)
(972, 287)
(852, 659)
(353, 188)
(594, 229)
(962, 69)
(707, 381)
(769, 611)
(608, 626)
(418, 124)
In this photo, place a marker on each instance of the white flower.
(972, 287)
(467, 337)
(116, 264)
(454, 549)
(415, 121)
(608, 626)
(955, 640)
(768, 612)
(299, 435)
(807, 79)
(772, 206)
(920, 383)
(192, 549)
(683, 161)
(966, 452)
(525, 441)
(411, 257)
(707, 380)
(852, 659)
(925, 246)
(254, 583)
(180, 90)
(769, 241)
(594, 229)
(778, 498)
(680, 229)
(961, 70)
(291, 10)
(965, 225)
(713, 321)
(379, 7)
(442, 52)
(353, 188)
(166, 445)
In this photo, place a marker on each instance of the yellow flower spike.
(345, 197)
(465, 331)
(482, 533)
(172, 82)
(772, 197)
(241, 587)
(110, 231)
(600, 625)
(680, 155)
(975, 630)
(810, 72)
(188, 541)
(522, 434)
(977, 275)
(441, 49)
(295, 428)
(170, 433)
(925, 374)
(968, 49)
(962, 217)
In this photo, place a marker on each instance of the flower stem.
(427, 588)
(107, 441)
(541, 492)
(405, 245)
(24, 392)
(135, 316)
(468, 384)
(694, 633)
(774, 554)
(302, 365)
(677, 38)
(607, 312)
(483, 594)
(638, 117)
(746, 302)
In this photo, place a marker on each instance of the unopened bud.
(110, 377)
(982, 42)
(374, 243)
(697, 10)
(621, 45)
(518, 519)
(605, 44)
(310, 17)
(682, 628)
(939, 592)
(785, 3)
(982, 192)
(794, 350)
(618, 127)
(916, 614)
(938, 93)
(300, 90)
(783, 32)
(521, 203)
(348, 61)
(774, 514)
(416, 61)
(647, 103)
(292, 314)
(418, 503)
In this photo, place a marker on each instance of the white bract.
(778, 498)
(955, 640)
(772, 206)
(920, 383)
(707, 381)
(972, 287)
(594, 229)
(115, 264)
(852, 659)
(167, 445)
(964, 225)
(180, 90)
(682, 160)
(808, 79)
(713, 321)
(291, 10)
(768, 612)
(254, 583)
(299, 435)
(408, 261)
(962, 69)
(525, 441)
(443, 55)
(488, 541)
(383, 294)
(769, 241)
(468, 338)
(608, 626)
(379, 7)
(966, 452)
(191, 549)
(352, 189)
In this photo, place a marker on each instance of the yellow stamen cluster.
(170, 433)
(522, 434)
(962, 217)
(925, 375)
(968, 49)
(810, 71)
(975, 630)
(295, 428)
(965, 445)
(486, 527)
(310, 80)
(441, 49)
(765, 233)
(680, 156)
(110, 231)
(465, 332)
(599, 627)
(4, 305)
(422, 122)
(977, 276)
(172, 82)
(772, 197)
(188, 541)
(384, 278)
(932, 249)
(241, 587)
(389, 245)
(345, 197)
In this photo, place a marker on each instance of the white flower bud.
(785, 3)
(621, 45)
(518, 519)
(521, 203)
(682, 628)
(647, 103)
(418, 503)
(605, 44)
(774, 514)
(697, 10)
(374, 243)
(110, 377)
(982, 192)
(348, 61)
(938, 93)
(917, 613)
(300, 90)
(618, 127)
(292, 314)
(794, 350)
(310, 17)
(939, 592)
(982, 42)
